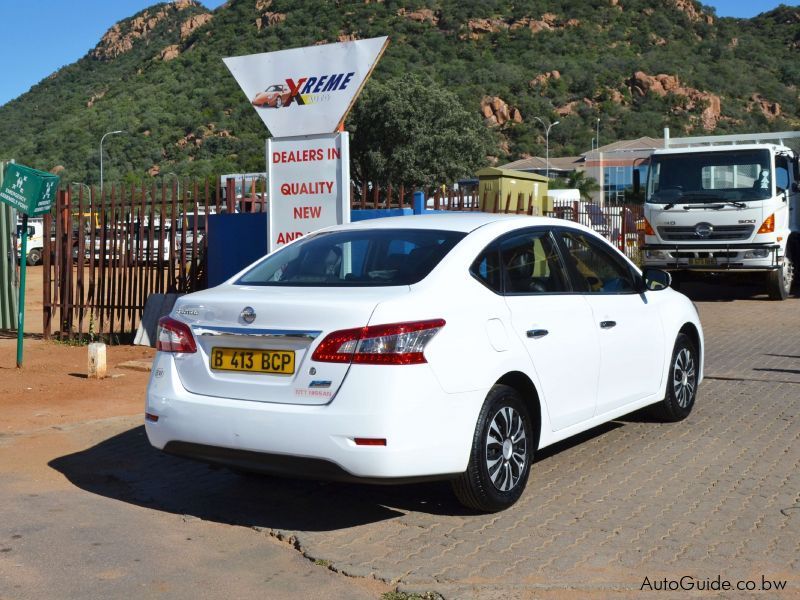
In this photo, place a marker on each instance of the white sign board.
(309, 185)
(305, 91)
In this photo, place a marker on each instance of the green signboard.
(31, 192)
(27, 190)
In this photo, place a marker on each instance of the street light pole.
(600, 162)
(178, 181)
(101, 156)
(547, 129)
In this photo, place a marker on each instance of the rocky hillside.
(637, 65)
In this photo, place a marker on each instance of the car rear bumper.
(428, 432)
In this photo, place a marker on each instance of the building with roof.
(611, 165)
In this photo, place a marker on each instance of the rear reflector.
(392, 344)
(151, 417)
(370, 441)
(174, 336)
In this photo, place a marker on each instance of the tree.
(577, 180)
(412, 131)
(585, 185)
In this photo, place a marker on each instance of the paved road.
(715, 495)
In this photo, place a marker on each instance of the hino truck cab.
(725, 204)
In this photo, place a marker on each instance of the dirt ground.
(34, 300)
(52, 390)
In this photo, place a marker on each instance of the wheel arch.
(526, 388)
(690, 329)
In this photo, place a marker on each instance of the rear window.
(355, 258)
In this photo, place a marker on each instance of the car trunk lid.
(288, 322)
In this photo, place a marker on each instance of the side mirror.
(637, 181)
(656, 279)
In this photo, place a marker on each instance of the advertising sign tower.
(303, 96)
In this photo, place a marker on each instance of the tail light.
(174, 336)
(648, 229)
(393, 344)
(768, 226)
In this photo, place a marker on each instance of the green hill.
(159, 76)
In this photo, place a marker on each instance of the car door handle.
(607, 324)
(536, 333)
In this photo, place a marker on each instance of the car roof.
(448, 221)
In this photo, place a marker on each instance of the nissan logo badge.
(248, 315)
(703, 230)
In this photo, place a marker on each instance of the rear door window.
(532, 265)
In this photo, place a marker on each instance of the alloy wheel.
(684, 377)
(506, 449)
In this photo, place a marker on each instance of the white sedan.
(448, 346)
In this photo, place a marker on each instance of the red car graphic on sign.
(274, 96)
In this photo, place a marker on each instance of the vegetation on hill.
(159, 76)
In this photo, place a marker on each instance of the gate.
(104, 254)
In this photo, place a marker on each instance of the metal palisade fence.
(104, 254)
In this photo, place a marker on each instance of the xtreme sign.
(316, 85)
(306, 91)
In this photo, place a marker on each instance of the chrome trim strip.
(282, 334)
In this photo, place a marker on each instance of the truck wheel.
(34, 257)
(781, 280)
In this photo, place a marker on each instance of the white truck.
(35, 235)
(725, 203)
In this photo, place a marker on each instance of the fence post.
(624, 230)
(575, 216)
(47, 309)
(230, 195)
(419, 203)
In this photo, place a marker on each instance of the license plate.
(253, 361)
(702, 261)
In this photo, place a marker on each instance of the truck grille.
(719, 232)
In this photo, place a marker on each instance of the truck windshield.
(698, 177)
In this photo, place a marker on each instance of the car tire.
(501, 454)
(681, 382)
(781, 280)
(34, 257)
(278, 102)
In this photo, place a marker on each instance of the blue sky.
(63, 31)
